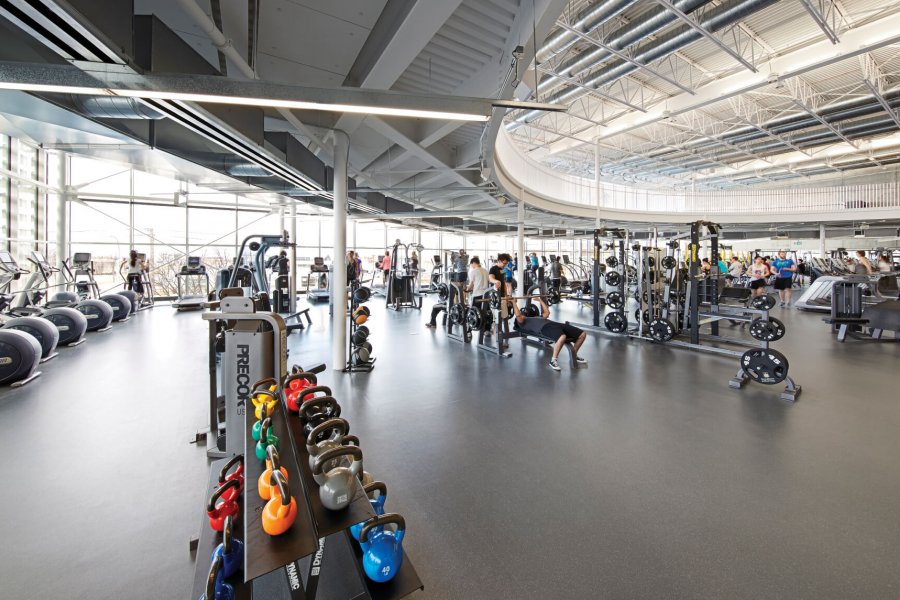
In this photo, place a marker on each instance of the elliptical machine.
(99, 314)
(80, 279)
(70, 324)
(44, 332)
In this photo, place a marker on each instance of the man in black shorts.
(561, 332)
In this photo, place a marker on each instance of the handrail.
(545, 182)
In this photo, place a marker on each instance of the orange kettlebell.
(264, 484)
(281, 510)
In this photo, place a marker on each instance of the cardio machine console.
(193, 266)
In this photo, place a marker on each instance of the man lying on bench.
(558, 334)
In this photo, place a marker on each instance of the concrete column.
(822, 253)
(62, 222)
(520, 222)
(339, 253)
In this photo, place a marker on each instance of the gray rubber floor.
(642, 476)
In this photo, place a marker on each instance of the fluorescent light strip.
(241, 101)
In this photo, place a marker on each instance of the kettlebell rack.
(316, 558)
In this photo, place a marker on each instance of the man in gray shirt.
(555, 273)
(478, 278)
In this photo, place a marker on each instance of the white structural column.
(339, 255)
(520, 222)
(293, 279)
(62, 225)
(597, 180)
(822, 240)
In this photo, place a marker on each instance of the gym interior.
(464, 299)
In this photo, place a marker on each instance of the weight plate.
(645, 316)
(443, 292)
(492, 296)
(473, 318)
(456, 314)
(487, 318)
(767, 331)
(662, 330)
(651, 262)
(669, 262)
(765, 366)
(613, 278)
(614, 300)
(532, 311)
(615, 322)
(764, 302)
(553, 296)
(612, 262)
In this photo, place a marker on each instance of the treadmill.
(193, 285)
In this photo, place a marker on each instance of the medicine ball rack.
(315, 559)
(359, 295)
(758, 363)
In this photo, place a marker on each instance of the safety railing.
(548, 183)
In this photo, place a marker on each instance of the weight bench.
(546, 342)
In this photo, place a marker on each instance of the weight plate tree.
(766, 366)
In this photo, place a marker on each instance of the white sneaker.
(554, 364)
(580, 361)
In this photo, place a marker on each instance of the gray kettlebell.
(336, 429)
(364, 477)
(338, 486)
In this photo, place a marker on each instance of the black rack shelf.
(264, 553)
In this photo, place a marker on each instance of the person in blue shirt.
(784, 269)
(510, 269)
(723, 268)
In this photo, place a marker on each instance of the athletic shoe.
(554, 364)
(430, 325)
(580, 361)
(781, 305)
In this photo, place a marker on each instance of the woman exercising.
(136, 267)
(544, 327)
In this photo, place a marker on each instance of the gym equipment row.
(359, 349)
(295, 513)
(852, 316)
(31, 331)
(403, 279)
(673, 304)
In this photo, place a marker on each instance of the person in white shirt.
(136, 267)
(736, 269)
(884, 264)
(478, 278)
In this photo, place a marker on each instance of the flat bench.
(546, 342)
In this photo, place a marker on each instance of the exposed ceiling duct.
(114, 107)
(587, 21)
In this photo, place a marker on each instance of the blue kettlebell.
(231, 550)
(216, 588)
(382, 552)
(377, 506)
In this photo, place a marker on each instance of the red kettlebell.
(218, 507)
(226, 475)
(296, 383)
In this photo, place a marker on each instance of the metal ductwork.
(716, 18)
(588, 20)
(113, 107)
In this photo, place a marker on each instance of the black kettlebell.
(317, 411)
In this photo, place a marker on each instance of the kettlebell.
(318, 410)
(266, 438)
(217, 511)
(377, 506)
(364, 478)
(236, 475)
(294, 384)
(382, 551)
(269, 384)
(264, 401)
(280, 511)
(331, 433)
(216, 588)
(312, 393)
(273, 463)
(337, 486)
(254, 431)
(231, 550)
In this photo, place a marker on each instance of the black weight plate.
(612, 262)
(614, 300)
(443, 292)
(662, 330)
(764, 302)
(613, 278)
(651, 262)
(615, 322)
(456, 314)
(532, 311)
(767, 331)
(473, 317)
(669, 262)
(553, 296)
(487, 318)
(765, 366)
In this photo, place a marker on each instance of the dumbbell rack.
(317, 558)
